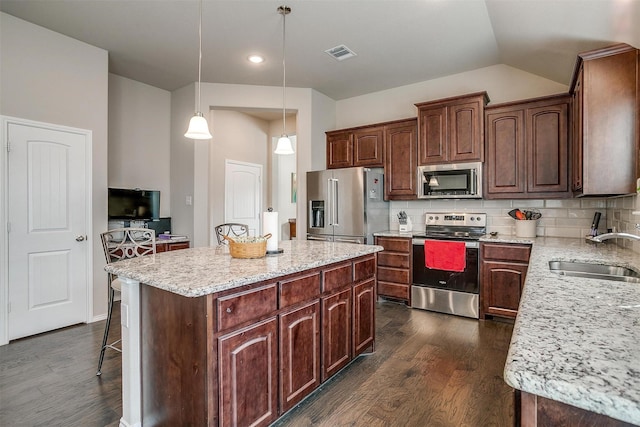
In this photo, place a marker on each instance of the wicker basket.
(248, 249)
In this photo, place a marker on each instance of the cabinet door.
(248, 375)
(364, 322)
(339, 150)
(576, 137)
(400, 165)
(466, 132)
(505, 166)
(433, 135)
(336, 332)
(368, 146)
(502, 284)
(548, 149)
(299, 354)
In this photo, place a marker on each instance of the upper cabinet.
(356, 147)
(400, 175)
(605, 121)
(451, 130)
(528, 149)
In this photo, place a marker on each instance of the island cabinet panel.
(299, 288)
(299, 354)
(528, 149)
(364, 323)
(337, 277)
(451, 130)
(237, 308)
(248, 372)
(502, 274)
(394, 268)
(537, 411)
(244, 356)
(176, 356)
(364, 268)
(336, 332)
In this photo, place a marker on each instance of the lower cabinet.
(245, 356)
(502, 274)
(394, 268)
(336, 328)
(299, 354)
(364, 320)
(538, 411)
(247, 369)
(170, 246)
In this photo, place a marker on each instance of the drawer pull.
(229, 310)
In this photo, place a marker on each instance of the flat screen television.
(134, 204)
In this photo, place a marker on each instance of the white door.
(47, 229)
(243, 194)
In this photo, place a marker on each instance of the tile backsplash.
(560, 217)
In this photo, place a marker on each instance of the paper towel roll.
(270, 225)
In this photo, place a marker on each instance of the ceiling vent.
(341, 52)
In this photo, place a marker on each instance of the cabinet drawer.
(391, 244)
(397, 275)
(337, 277)
(392, 259)
(298, 289)
(506, 252)
(237, 308)
(364, 268)
(393, 290)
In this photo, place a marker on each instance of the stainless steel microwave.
(450, 181)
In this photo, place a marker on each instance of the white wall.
(139, 138)
(48, 77)
(236, 136)
(501, 82)
(187, 170)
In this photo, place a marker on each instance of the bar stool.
(118, 244)
(232, 229)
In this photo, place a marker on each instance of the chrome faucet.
(606, 236)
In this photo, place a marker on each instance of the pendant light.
(198, 126)
(284, 143)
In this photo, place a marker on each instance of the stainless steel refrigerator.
(346, 205)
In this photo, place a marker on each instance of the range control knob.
(478, 218)
(472, 219)
(431, 218)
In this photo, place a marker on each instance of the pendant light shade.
(284, 143)
(198, 126)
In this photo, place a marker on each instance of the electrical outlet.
(189, 200)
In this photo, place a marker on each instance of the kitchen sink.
(594, 271)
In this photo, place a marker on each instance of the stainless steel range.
(446, 265)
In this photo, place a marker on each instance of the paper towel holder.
(279, 250)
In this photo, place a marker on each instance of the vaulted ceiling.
(397, 42)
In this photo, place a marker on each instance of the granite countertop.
(577, 340)
(200, 271)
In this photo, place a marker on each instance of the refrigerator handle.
(333, 197)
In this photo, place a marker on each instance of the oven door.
(464, 281)
(446, 291)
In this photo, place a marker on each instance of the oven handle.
(468, 244)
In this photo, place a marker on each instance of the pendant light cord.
(284, 12)
(199, 57)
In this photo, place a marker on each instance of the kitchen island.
(213, 340)
(575, 349)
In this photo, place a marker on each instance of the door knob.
(80, 238)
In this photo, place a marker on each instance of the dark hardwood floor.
(429, 369)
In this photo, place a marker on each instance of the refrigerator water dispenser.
(317, 213)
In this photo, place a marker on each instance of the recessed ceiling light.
(256, 59)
